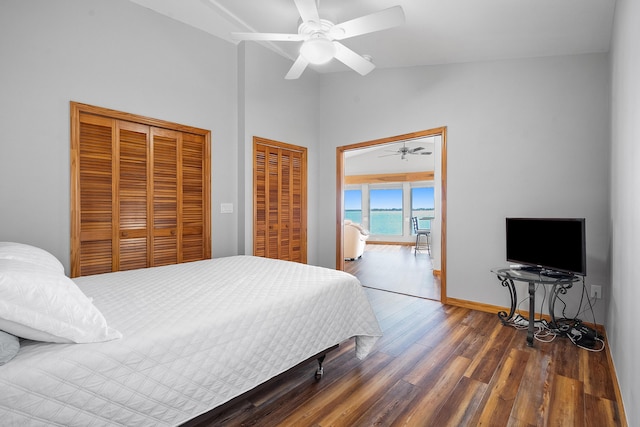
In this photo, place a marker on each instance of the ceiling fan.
(320, 37)
(404, 151)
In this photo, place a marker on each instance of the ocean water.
(354, 216)
(388, 223)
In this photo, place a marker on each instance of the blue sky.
(389, 199)
(423, 198)
(352, 200)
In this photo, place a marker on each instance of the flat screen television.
(548, 244)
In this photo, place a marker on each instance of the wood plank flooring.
(438, 365)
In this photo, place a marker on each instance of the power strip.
(520, 321)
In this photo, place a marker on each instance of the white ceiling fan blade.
(267, 37)
(352, 59)
(377, 21)
(297, 68)
(308, 10)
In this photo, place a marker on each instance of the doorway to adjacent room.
(389, 164)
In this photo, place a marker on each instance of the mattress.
(195, 335)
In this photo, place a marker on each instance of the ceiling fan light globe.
(318, 50)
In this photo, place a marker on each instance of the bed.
(193, 336)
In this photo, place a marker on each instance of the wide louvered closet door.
(140, 193)
(279, 200)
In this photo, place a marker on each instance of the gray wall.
(525, 138)
(112, 54)
(621, 323)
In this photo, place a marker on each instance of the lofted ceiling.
(386, 158)
(436, 31)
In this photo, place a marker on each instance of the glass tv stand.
(559, 284)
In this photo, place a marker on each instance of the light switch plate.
(226, 207)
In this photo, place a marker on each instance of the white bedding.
(194, 336)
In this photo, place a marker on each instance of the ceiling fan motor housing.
(318, 49)
(311, 27)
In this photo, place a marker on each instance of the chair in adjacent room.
(423, 237)
(355, 239)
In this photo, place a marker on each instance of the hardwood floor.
(438, 365)
(397, 269)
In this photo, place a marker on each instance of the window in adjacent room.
(386, 211)
(353, 205)
(422, 206)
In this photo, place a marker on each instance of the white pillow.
(28, 253)
(40, 304)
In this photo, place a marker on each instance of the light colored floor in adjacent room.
(396, 268)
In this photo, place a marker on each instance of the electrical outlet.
(596, 291)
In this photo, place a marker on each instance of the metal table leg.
(532, 313)
(508, 283)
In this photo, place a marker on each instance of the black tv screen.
(556, 244)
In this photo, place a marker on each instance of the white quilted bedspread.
(195, 336)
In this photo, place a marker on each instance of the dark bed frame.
(203, 418)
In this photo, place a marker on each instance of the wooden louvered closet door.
(140, 193)
(165, 147)
(131, 188)
(195, 213)
(280, 207)
(94, 207)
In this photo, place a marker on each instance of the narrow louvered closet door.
(298, 207)
(92, 182)
(166, 192)
(279, 200)
(133, 212)
(194, 200)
